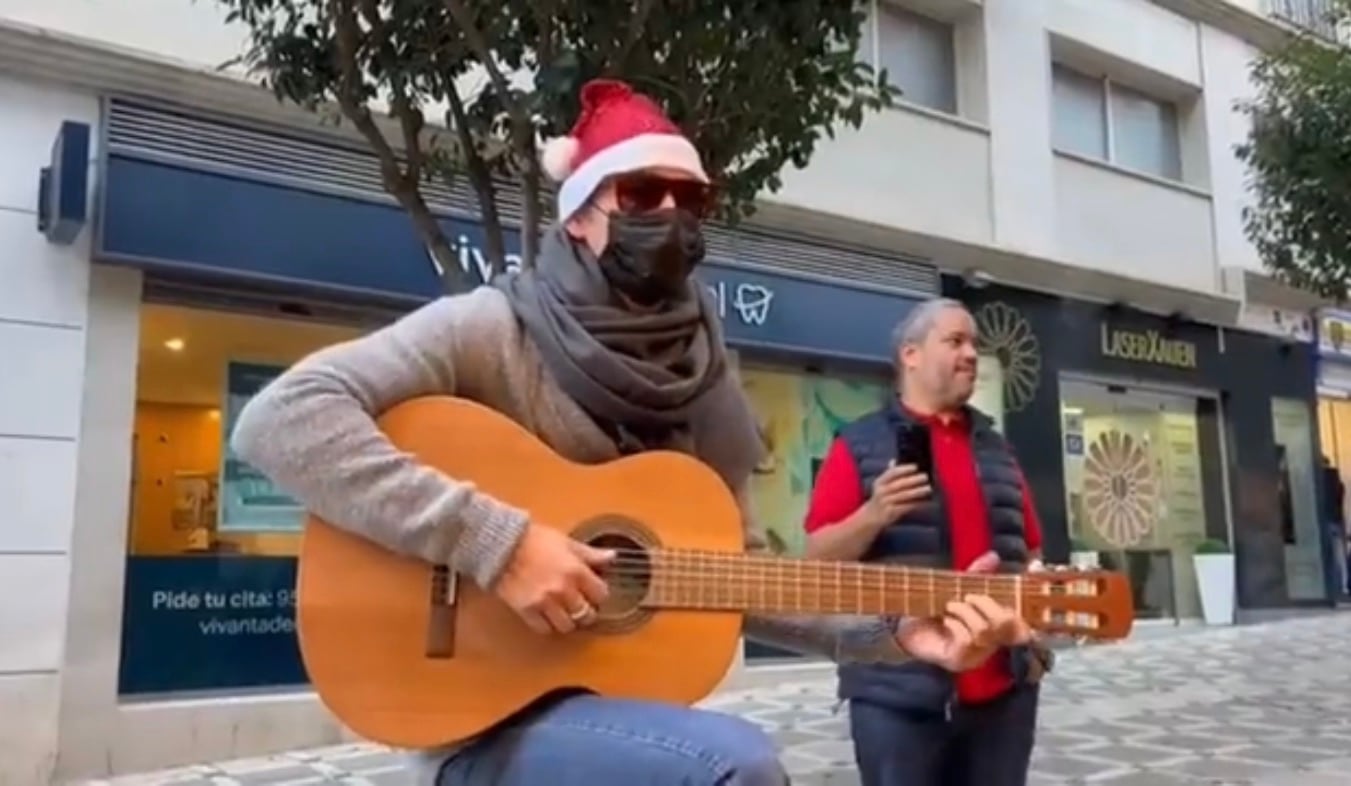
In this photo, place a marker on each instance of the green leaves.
(1299, 152)
(756, 84)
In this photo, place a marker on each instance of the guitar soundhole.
(629, 577)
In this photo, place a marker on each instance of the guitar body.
(403, 662)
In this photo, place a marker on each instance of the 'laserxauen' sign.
(1148, 346)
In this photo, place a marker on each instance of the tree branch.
(409, 115)
(474, 37)
(523, 141)
(402, 184)
(637, 25)
(480, 177)
(530, 206)
(544, 17)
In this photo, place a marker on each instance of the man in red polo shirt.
(926, 480)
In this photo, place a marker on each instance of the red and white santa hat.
(618, 131)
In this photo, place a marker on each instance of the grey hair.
(918, 324)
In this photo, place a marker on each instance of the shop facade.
(1334, 386)
(222, 253)
(1143, 436)
(1333, 328)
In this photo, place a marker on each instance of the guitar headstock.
(1078, 602)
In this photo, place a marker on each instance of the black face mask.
(650, 255)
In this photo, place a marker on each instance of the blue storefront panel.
(193, 623)
(186, 222)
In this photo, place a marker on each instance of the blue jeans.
(586, 740)
(981, 745)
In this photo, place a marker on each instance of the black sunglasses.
(644, 193)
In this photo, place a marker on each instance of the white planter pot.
(1215, 580)
(1087, 560)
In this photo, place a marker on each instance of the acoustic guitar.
(406, 655)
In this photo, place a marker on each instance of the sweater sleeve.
(313, 432)
(842, 638)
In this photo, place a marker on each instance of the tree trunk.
(481, 179)
(530, 212)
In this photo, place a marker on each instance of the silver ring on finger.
(581, 614)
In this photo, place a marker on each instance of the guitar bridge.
(441, 619)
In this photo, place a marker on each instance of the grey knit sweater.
(312, 431)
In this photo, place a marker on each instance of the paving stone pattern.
(1263, 705)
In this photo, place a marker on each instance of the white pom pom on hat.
(558, 156)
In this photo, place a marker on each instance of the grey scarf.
(651, 380)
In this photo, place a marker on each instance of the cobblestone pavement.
(1265, 705)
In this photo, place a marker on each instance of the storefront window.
(1134, 488)
(988, 396)
(1334, 432)
(1298, 499)
(211, 570)
(798, 416)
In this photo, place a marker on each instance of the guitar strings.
(720, 565)
(680, 574)
(725, 558)
(688, 580)
(733, 559)
(667, 573)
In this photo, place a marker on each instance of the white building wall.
(43, 307)
(988, 178)
(922, 174)
(1225, 64)
(1135, 31)
(1134, 226)
(192, 32)
(1017, 53)
(906, 168)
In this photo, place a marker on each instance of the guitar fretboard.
(774, 585)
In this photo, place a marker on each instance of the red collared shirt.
(839, 492)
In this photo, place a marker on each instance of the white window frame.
(875, 11)
(1109, 127)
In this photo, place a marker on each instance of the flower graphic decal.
(1006, 334)
(1121, 496)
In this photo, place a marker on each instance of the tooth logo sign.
(751, 302)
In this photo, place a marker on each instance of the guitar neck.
(767, 584)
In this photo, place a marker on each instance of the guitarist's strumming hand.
(970, 632)
(551, 581)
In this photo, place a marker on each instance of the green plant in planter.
(1078, 545)
(1211, 546)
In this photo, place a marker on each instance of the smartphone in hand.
(913, 447)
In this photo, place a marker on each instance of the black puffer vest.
(922, 538)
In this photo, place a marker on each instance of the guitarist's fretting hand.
(551, 581)
(970, 632)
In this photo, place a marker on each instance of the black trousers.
(981, 745)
